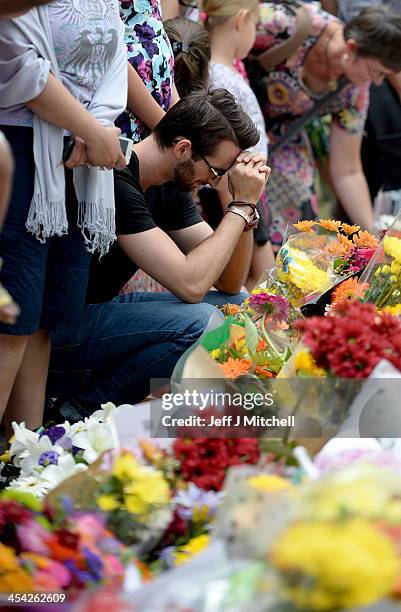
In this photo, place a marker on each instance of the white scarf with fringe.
(26, 58)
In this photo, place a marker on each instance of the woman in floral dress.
(150, 54)
(291, 89)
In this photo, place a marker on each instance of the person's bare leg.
(12, 350)
(27, 398)
(262, 260)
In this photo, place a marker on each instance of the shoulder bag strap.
(298, 124)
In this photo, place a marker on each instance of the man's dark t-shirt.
(162, 206)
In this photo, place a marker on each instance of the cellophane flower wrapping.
(383, 274)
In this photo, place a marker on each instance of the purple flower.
(275, 306)
(94, 564)
(54, 433)
(167, 555)
(48, 458)
(194, 498)
(80, 576)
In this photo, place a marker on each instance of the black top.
(163, 206)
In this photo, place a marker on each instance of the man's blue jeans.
(124, 343)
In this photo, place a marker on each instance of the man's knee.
(202, 314)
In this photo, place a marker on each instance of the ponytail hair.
(191, 48)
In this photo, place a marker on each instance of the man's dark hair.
(207, 118)
(377, 32)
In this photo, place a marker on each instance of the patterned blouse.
(283, 97)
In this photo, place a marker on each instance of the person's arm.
(349, 181)
(199, 258)
(330, 6)
(141, 102)
(174, 95)
(395, 82)
(170, 9)
(56, 105)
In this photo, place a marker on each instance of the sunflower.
(350, 229)
(304, 226)
(349, 290)
(329, 224)
(233, 368)
(365, 240)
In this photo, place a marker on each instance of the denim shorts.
(47, 280)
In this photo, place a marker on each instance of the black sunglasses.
(217, 172)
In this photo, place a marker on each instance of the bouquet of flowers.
(315, 256)
(64, 552)
(315, 546)
(37, 461)
(382, 278)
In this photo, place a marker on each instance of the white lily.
(104, 415)
(29, 459)
(30, 484)
(98, 438)
(22, 436)
(66, 467)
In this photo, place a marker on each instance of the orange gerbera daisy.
(340, 247)
(230, 309)
(263, 371)
(349, 290)
(304, 226)
(262, 344)
(329, 224)
(365, 240)
(233, 368)
(350, 229)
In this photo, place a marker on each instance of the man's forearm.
(224, 256)
(57, 106)
(353, 193)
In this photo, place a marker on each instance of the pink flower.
(32, 537)
(113, 568)
(89, 527)
(275, 306)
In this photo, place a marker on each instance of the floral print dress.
(283, 98)
(150, 53)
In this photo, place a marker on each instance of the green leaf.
(251, 335)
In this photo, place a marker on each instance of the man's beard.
(184, 176)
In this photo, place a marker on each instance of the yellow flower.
(194, 546)
(304, 226)
(395, 267)
(393, 310)
(305, 363)
(336, 565)
(303, 274)
(215, 354)
(329, 224)
(126, 467)
(107, 503)
(8, 560)
(385, 269)
(200, 513)
(392, 247)
(269, 483)
(148, 488)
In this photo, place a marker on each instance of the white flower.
(29, 459)
(30, 484)
(22, 436)
(66, 467)
(104, 415)
(98, 438)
